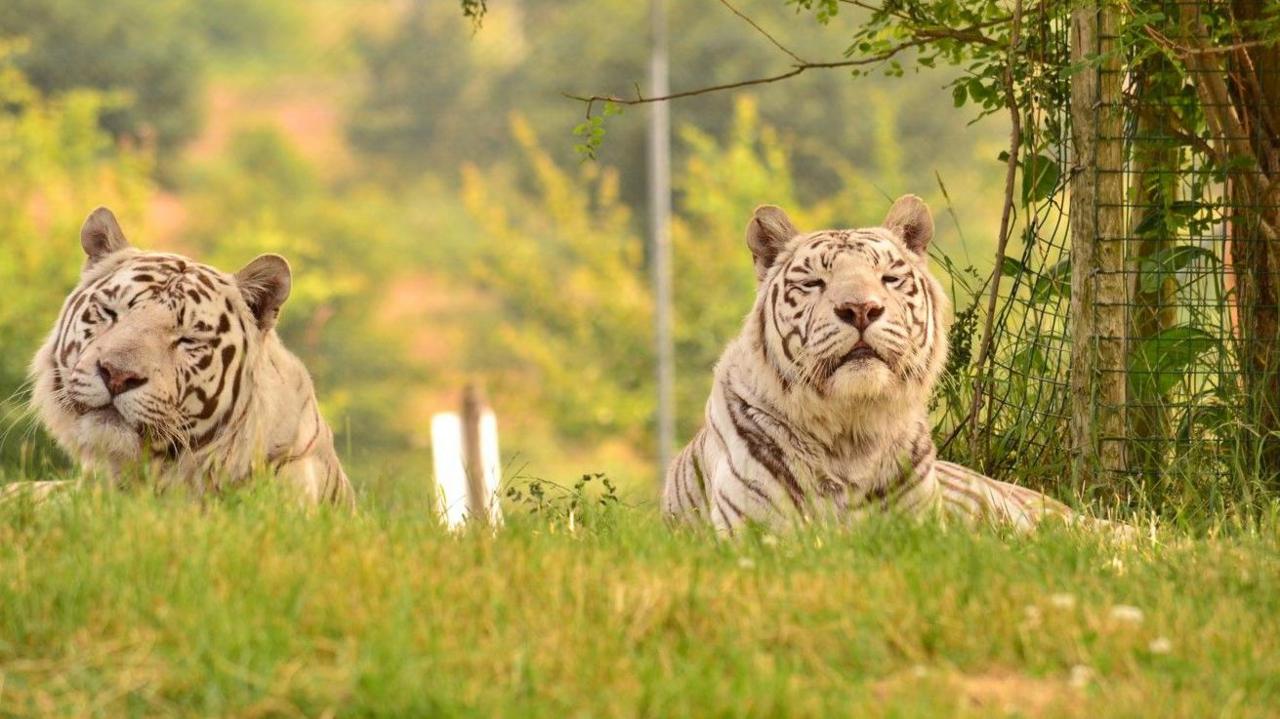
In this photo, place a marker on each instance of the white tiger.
(819, 406)
(163, 368)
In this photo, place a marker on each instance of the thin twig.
(1006, 228)
(795, 70)
(642, 100)
(762, 31)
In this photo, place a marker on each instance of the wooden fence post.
(478, 499)
(466, 462)
(1098, 289)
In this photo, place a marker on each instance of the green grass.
(130, 605)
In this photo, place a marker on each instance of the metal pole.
(660, 230)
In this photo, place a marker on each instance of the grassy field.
(130, 605)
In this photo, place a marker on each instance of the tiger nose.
(859, 314)
(119, 381)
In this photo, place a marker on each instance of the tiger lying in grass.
(819, 406)
(166, 368)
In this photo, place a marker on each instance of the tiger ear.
(265, 284)
(767, 233)
(100, 235)
(909, 218)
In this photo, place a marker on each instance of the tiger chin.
(166, 370)
(819, 407)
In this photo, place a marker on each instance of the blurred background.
(420, 174)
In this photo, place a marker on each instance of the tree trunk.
(1254, 75)
(1153, 168)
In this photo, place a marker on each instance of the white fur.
(278, 423)
(783, 440)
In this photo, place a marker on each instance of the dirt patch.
(998, 691)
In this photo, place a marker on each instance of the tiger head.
(153, 353)
(851, 314)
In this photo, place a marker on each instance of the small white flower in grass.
(1160, 645)
(1080, 676)
(746, 563)
(769, 540)
(1063, 600)
(1127, 614)
(1031, 613)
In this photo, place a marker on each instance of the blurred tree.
(148, 56)
(573, 332)
(416, 77)
(437, 91)
(248, 30)
(146, 52)
(55, 165)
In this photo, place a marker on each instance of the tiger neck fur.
(863, 442)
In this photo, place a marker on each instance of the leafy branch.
(923, 38)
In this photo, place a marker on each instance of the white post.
(660, 231)
(460, 442)
(489, 461)
(451, 475)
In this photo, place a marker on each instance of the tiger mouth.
(106, 414)
(860, 351)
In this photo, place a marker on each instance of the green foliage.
(591, 131)
(410, 96)
(1163, 359)
(568, 270)
(823, 10)
(1164, 265)
(255, 31)
(1040, 178)
(578, 504)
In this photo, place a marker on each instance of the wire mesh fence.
(1155, 358)
(1021, 416)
